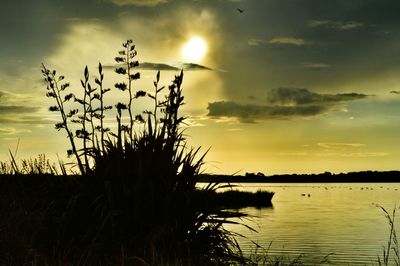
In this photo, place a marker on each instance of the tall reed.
(392, 244)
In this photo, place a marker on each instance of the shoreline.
(327, 177)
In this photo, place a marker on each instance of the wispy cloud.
(365, 154)
(24, 119)
(167, 67)
(283, 103)
(256, 42)
(138, 2)
(336, 25)
(395, 92)
(156, 66)
(335, 145)
(193, 66)
(7, 131)
(249, 113)
(335, 154)
(316, 65)
(278, 40)
(295, 154)
(9, 105)
(352, 154)
(288, 40)
(302, 96)
(15, 109)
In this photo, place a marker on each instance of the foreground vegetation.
(132, 198)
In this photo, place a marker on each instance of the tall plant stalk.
(100, 97)
(127, 59)
(157, 104)
(83, 133)
(55, 89)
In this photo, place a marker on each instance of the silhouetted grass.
(135, 199)
(392, 244)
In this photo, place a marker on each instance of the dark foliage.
(136, 194)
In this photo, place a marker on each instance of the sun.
(195, 49)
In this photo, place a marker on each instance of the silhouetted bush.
(136, 194)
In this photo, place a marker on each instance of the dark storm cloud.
(283, 103)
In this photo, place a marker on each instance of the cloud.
(193, 66)
(365, 154)
(8, 104)
(335, 154)
(278, 40)
(249, 113)
(283, 103)
(138, 2)
(15, 109)
(166, 67)
(395, 92)
(27, 120)
(288, 40)
(156, 66)
(299, 96)
(6, 131)
(256, 42)
(316, 65)
(352, 154)
(336, 25)
(334, 145)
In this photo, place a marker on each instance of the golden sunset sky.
(286, 86)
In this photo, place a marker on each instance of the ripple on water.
(342, 219)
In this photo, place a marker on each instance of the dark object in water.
(234, 199)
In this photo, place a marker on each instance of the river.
(337, 223)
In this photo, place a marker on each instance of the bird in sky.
(240, 10)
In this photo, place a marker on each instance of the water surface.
(340, 220)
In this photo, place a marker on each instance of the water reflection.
(315, 220)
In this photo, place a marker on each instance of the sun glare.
(195, 49)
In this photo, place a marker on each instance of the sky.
(272, 86)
